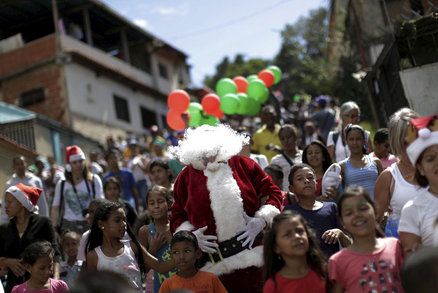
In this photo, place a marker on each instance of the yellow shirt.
(263, 137)
(202, 282)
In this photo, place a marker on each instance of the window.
(31, 97)
(148, 117)
(163, 71)
(122, 109)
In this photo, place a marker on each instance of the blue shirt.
(126, 179)
(320, 220)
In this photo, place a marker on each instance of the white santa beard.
(226, 201)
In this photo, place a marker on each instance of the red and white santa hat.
(422, 134)
(27, 195)
(73, 153)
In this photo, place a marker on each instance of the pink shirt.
(56, 286)
(386, 162)
(311, 283)
(377, 271)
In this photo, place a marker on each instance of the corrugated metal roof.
(10, 113)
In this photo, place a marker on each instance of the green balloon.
(252, 77)
(209, 120)
(277, 73)
(230, 104)
(243, 107)
(195, 111)
(225, 86)
(257, 90)
(296, 98)
(253, 107)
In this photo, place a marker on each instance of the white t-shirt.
(285, 166)
(261, 160)
(419, 215)
(341, 152)
(75, 203)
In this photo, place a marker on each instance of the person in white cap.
(24, 228)
(419, 215)
(74, 194)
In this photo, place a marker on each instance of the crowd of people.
(305, 200)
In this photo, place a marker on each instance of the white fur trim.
(244, 259)
(186, 226)
(21, 197)
(267, 213)
(75, 157)
(226, 201)
(415, 149)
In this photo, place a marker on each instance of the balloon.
(210, 120)
(253, 107)
(225, 86)
(296, 98)
(241, 83)
(218, 113)
(210, 102)
(277, 73)
(195, 111)
(267, 77)
(174, 120)
(243, 107)
(178, 100)
(251, 77)
(230, 104)
(258, 91)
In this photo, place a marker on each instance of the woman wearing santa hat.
(74, 194)
(24, 228)
(419, 215)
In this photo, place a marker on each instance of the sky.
(209, 30)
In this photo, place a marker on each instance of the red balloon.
(210, 103)
(218, 113)
(267, 77)
(175, 121)
(178, 100)
(241, 83)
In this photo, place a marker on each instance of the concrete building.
(95, 71)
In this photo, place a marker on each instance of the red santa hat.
(27, 195)
(423, 133)
(73, 153)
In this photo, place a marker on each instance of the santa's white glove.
(332, 177)
(206, 242)
(253, 228)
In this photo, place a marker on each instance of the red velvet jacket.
(192, 202)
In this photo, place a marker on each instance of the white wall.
(91, 96)
(421, 88)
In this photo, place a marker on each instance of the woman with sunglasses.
(396, 185)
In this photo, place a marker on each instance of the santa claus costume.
(218, 197)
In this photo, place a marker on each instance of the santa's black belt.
(229, 248)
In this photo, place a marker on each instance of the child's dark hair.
(163, 191)
(381, 135)
(161, 163)
(353, 191)
(274, 262)
(275, 169)
(184, 236)
(95, 238)
(291, 127)
(297, 167)
(326, 159)
(113, 180)
(351, 127)
(36, 250)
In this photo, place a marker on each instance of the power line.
(228, 23)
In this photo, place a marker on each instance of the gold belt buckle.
(218, 251)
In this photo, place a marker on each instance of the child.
(38, 260)
(112, 190)
(293, 260)
(156, 236)
(107, 251)
(419, 214)
(160, 173)
(185, 253)
(382, 148)
(321, 216)
(370, 264)
(71, 267)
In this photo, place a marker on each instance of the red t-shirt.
(311, 283)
